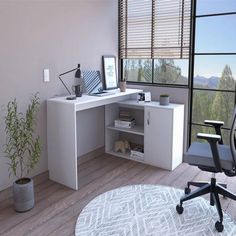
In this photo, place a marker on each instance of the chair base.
(215, 190)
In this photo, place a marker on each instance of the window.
(213, 87)
(154, 38)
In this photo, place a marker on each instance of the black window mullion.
(191, 68)
(214, 53)
(215, 14)
(214, 90)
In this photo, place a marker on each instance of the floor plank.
(57, 207)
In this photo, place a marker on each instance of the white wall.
(54, 34)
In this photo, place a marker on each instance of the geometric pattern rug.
(149, 210)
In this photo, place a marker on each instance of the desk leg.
(62, 143)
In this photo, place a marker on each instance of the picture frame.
(109, 71)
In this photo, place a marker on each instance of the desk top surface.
(88, 101)
(88, 98)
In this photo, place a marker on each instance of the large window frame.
(194, 17)
(152, 80)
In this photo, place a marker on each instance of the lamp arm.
(64, 84)
(69, 71)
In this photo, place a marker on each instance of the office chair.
(212, 156)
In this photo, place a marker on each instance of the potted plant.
(164, 99)
(23, 149)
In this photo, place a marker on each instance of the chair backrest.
(232, 137)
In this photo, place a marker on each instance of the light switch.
(46, 75)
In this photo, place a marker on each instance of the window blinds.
(154, 28)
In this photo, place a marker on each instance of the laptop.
(93, 83)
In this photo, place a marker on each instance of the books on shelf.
(124, 123)
(125, 119)
(124, 113)
(137, 152)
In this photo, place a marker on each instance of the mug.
(76, 89)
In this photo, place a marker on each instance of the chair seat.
(199, 154)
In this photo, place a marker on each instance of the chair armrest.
(214, 122)
(209, 137)
(213, 140)
(217, 125)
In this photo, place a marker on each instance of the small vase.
(23, 195)
(164, 101)
(122, 86)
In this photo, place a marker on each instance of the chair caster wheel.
(179, 209)
(187, 190)
(212, 203)
(219, 226)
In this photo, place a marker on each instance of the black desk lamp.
(77, 75)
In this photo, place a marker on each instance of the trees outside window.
(213, 87)
(158, 71)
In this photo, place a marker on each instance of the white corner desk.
(75, 127)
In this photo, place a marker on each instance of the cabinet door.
(158, 137)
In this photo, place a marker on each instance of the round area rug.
(149, 210)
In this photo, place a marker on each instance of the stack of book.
(124, 124)
(137, 153)
(125, 115)
(125, 120)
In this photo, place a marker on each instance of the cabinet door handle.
(148, 118)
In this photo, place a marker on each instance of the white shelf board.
(137, 129)
(125, 155)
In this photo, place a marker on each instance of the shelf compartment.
(137, 129)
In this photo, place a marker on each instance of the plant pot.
(23, 194)
(164, 100)
(123, 86)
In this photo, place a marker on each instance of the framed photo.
(109, 71)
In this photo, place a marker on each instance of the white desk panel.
(62, 132)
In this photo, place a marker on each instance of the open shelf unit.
(134, 135)
(158, 131)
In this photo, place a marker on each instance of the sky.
(216, 34)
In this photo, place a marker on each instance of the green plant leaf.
(22, 148)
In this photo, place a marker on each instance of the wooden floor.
(58, 207)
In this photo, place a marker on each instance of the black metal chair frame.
(215, 189)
